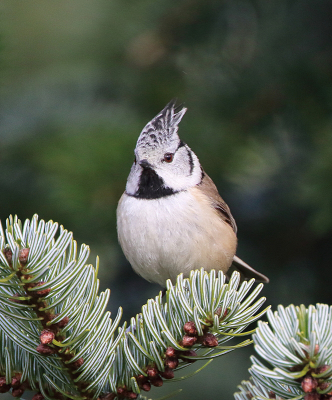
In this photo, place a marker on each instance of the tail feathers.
(246, 271)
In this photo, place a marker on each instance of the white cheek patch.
(180, 178)
(133, 179)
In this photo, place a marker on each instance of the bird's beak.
(145, 164)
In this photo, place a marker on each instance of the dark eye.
(168, 157)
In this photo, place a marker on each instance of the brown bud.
(146, 386)
(17, 392)
(4, 387)
(168, 373)
(316, 348)
(190, 329)
(209, 340)
(272, 395)
(170, 352)
(38, 293)
(324, 385)
(45, 350)
(141, 379)
(312, 396)
(46, 336)
(43, 293)
(152, 372)
(8, 255)
(64, 322)
(188, 341)
(190, 353)
(131, 395)
(171, 362)
(78, 363)
(23, 256)
(121, 391)
(156, 381)
(16, 381)
(322, 369)
(309, 384)
(38, 396)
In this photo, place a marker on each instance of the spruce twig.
(58, 340)
(297, 352)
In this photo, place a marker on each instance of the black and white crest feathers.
(162, 128)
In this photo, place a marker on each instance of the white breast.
(163, 237)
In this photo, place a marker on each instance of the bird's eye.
(168, 157)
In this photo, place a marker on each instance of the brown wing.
(210, 189)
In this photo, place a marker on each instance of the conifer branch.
(297, 352)
(58, 340)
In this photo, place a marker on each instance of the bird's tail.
(246, 271)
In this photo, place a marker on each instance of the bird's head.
(163, 164)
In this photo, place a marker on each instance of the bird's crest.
(162, 128)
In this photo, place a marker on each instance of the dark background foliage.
(80, 79)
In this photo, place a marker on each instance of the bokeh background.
(80, 79)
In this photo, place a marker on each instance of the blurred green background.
(80, 79)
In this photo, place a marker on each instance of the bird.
(171, 218)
